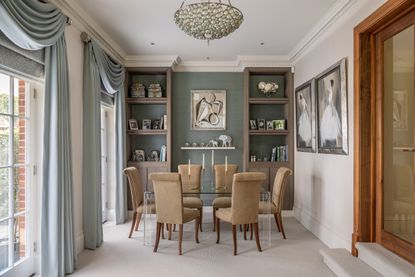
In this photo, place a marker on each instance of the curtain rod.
(85, 37)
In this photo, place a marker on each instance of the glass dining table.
(207, 189)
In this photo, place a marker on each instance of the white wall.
(323, 197)
(75, 59)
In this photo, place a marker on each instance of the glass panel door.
(398, 136)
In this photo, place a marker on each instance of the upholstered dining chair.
(169, 208)
(274, 207)
(223, 183)
(244, 208)
(137, 197)
(191, 184)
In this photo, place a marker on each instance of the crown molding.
(84, 23)
(151, 60)
(331, 17)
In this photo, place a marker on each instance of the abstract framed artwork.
(332, 115)
(306, 117)
(208, 110)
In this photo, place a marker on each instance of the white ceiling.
(135, 24)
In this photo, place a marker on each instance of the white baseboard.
(329, 237)
(79, 242)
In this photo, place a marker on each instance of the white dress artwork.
(304, 122)
(330, 121)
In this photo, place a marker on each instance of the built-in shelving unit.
(153, 109)
(208, 148)
(278, 106)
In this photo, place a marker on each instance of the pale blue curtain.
(34, 25)
(99, 67)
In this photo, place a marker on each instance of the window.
(14, 119)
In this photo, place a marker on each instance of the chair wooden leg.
(240, 228)
(252, 230)
(234, 239)
(133, 224)
(174, 227)
(197, 226)
(245, 228)
(258, 244)
(281, 226)
(156, 245)
(162, 230)
(277, 223)
(214, 219)
(217, 229)
(170, 229)
(180, 238)
(200, 218)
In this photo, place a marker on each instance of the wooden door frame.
(364, 196)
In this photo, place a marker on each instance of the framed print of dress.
(305, 117)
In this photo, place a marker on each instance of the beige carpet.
(120, 256)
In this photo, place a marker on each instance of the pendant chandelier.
(208, 20)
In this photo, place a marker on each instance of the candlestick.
(226, 163)
(203, 161)
(213, 158)
(189, 168)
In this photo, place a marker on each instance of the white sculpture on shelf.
(226, 140)
(213, 143)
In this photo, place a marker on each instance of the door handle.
(405, 149)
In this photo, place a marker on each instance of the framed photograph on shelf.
(208, 110)
(270, 125)
(306, 117)
(332, 125)
(278, 124)
(261, 124)
(252, 124)
(146, 124)
(139, 155)
(154, 156)
(156, 124)
(132, 124)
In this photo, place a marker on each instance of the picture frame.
(208, 110)
(156, 124)
(261, 124)
(139, 155)
(305, 112)
(132, 124)
(154, 156)
(270, 125)
(331, 110)
(146, 124)
(253, 125)
(278, 124)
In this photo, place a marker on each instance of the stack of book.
(279, 154)
(163, 122)
(154, 90)
(163, 153)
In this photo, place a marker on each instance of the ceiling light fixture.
(208, 20)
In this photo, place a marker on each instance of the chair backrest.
(245, 197)
(136, 187)
(280, 183)
(190, 183)
(168, 196)
(223, 180)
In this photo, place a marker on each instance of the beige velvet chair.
(277, 198)
(223, 183)
(244, 208)
(169, 208)
(191, 184)
(137, 197)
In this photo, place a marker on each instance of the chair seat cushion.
(151, 209)
(267, 208)
(192, 202)
(190, 214)
(224, 214)
(222, 202)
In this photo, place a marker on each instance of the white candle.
(226, 163)
(189, 168)
(213, 158)
(203, 161)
